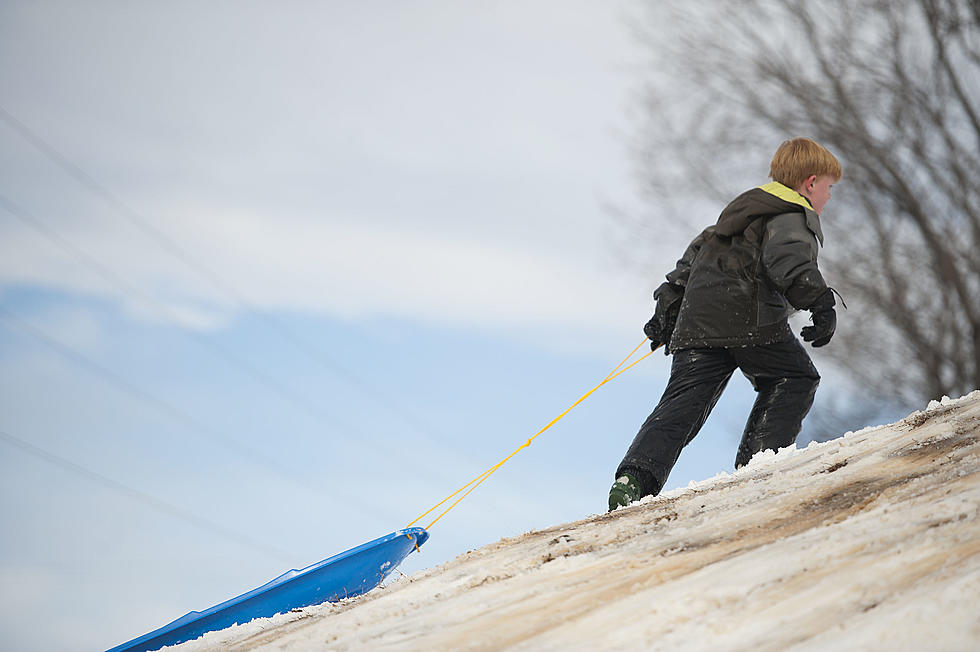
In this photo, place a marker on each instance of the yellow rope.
(478, 480)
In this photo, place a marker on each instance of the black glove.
(824, 320)
(661, 325)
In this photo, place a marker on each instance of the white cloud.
(350, 269)
(437, 164)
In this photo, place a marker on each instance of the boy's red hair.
(798, 159)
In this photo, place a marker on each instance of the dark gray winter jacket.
(740, 279)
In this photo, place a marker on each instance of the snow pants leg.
(786, 382)
(697, 379)
(781, 373)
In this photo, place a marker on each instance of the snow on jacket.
(740, 279)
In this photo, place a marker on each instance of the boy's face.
(817, 190)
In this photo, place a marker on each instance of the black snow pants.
(782, 375)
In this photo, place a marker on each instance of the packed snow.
(867, 542)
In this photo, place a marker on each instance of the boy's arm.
(789, 253)
(669, 295)
(682, 271)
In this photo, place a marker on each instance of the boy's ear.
(807, 186)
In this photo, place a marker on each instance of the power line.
(126, 387)
(216, 436)
(168, 244)
(112, 278)
(150, 500)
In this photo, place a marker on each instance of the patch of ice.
(946, 401)
(769, 456)
(863, 431)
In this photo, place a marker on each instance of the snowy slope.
(870, 541)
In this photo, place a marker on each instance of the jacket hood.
(762, 202)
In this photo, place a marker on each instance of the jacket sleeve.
(789, 254)
(668, 296)
(681, 273)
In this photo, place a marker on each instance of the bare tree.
(890, 86)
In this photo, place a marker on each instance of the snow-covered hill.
(870, 541)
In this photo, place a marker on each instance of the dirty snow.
(868, 542)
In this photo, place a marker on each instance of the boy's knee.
(788, 386)
(808, 384)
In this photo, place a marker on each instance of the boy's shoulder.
(766, 201)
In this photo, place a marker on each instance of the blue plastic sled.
(345, 575)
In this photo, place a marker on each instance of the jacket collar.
(787, 194)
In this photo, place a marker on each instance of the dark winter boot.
(624, 491)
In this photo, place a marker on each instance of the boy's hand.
(824, 320)
(661, 325)
(654, 330)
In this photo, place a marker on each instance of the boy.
(726, 305)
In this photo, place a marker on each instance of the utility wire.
(126, 387)
(112, 278)
(169, 245)
(150, 500)
(216, 436)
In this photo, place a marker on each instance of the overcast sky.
(277, 277)
(314, 152)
